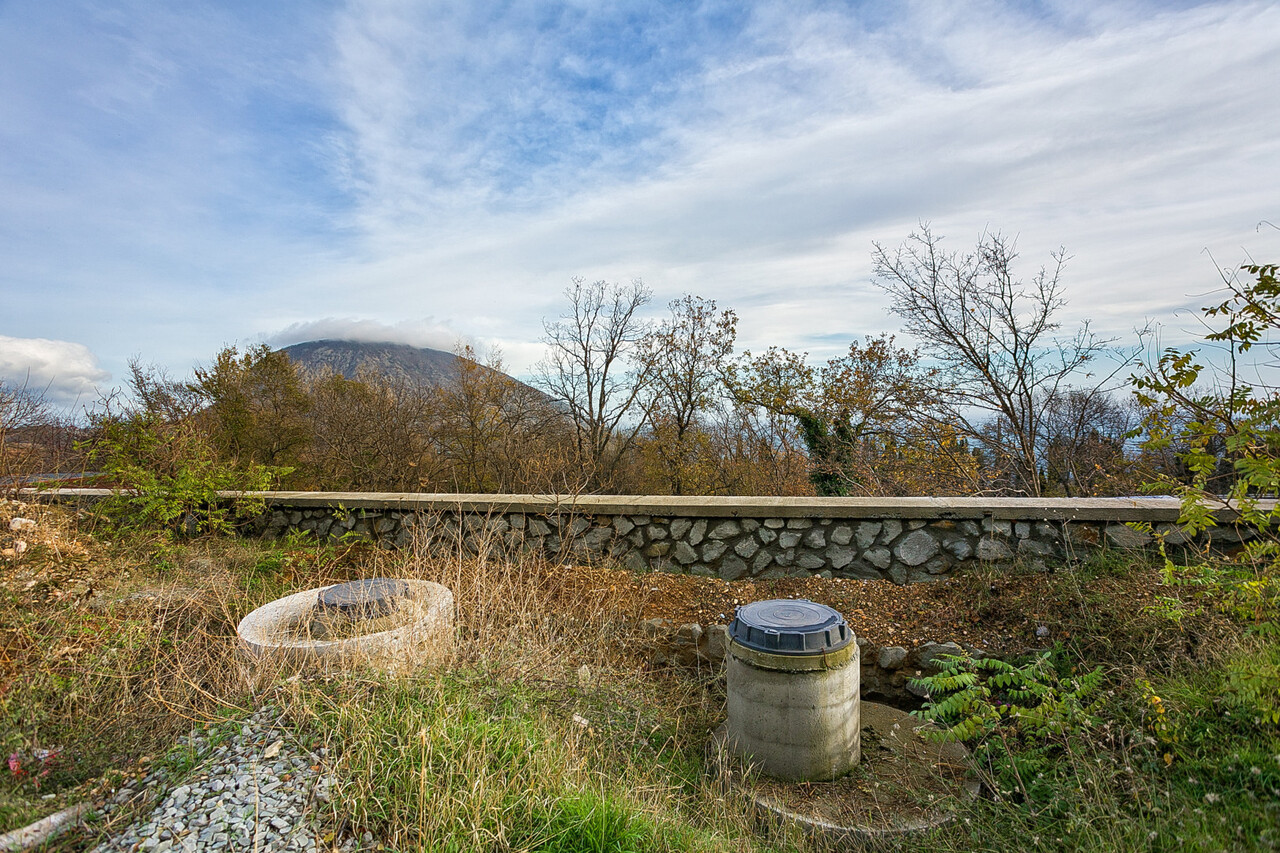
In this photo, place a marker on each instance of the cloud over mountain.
(417, 333)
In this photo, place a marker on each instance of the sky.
(175, 178)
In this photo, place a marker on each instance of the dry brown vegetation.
(113, 646)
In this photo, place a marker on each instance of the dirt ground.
(992, 609)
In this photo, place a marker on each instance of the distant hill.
(418, 365)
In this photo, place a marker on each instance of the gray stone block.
(598, 538)
(1126, 538)
(890, 529)
(717, 642)
(1037, 548)
(842, 534)
(799, 523)
(878, 557)
(993, 550)
(928, 655)
(891, 657)
(765, 535)
(679, 527)
(1172, 534)
(866, 534)
(732, 568)
(817, 538)
(697, 531)
(656, 532)
(726, 529)
(774, 523)
(788, 539)
(746, 548)
(1051, 532)
(713, 550)
(916, 548)
(635, 561)
(1227, 534)
(684, 554)
(840, 556)
(810, 561)
(861, 570)
(997, 526)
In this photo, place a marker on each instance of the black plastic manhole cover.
(364, 599)
(790, 627)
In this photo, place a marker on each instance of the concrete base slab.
(904, 784)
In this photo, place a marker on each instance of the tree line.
(997, 397)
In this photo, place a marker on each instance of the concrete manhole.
(807, 751)
(391, 624)
(903, 784)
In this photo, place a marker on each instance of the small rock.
(891, 657)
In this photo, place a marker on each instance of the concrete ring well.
(269, 634)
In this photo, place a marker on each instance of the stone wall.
(904, 540)
(899, 539)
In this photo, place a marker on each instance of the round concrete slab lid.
(364, 599)
(790, 627)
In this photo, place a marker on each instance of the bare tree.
(687, 353)
(22, 412)
(1085, 445)
(996, 339)
(593, 367)
(500, 435)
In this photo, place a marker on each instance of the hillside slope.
(417, 365)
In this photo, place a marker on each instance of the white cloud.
(216, 176)
(418, 333)
(1135, 137)
(66, 373)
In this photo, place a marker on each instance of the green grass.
(466, 762)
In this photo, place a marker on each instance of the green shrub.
(166, 477)
(1016, 719)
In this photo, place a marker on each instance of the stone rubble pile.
(254, 791)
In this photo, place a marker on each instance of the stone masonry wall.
(903, 550)
(904, 540)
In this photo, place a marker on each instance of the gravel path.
(256, 790)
